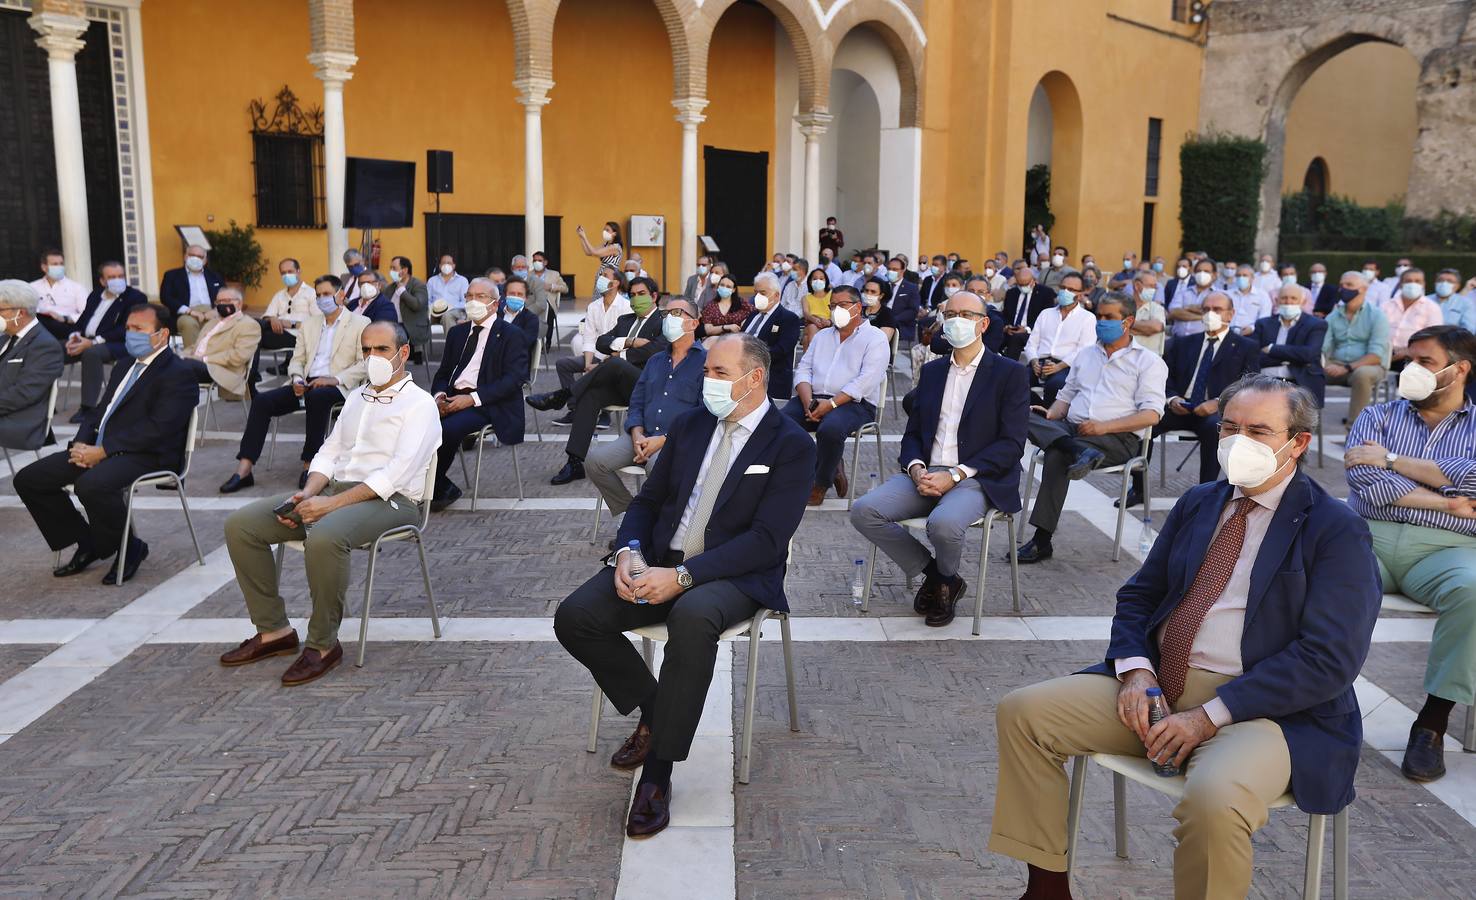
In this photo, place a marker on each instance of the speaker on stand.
(438, 181)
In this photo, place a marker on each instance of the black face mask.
(1346, 294)
(225, 310)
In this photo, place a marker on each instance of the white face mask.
(950, 290)
(1058, 259)
(760, 302)
(840, 317)
(1417, 382)
(447, 268)
(715, 277)
(394, 276)
(1127, 264)
(1212, 322)
(1289, 311)
(1370, 275)
(1148, 294)
(379, 370)
(717, 396)
(1181, 272)
(369, 290)
(1318, 278)
(477, 310)
(1411, 290)
(538, 265)
(1265, 266)
(959, 332)
(1247, 462)
(1400, 270)
(606, 234)
(1288, 280)
(1203, 278)
(194, 263)
(818, 286)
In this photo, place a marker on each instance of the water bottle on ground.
(637, 561)
(1158, 710)
(858, 582)
(1145, 538)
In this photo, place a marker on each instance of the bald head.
(964, 301)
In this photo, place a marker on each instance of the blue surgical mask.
(515, 304)
(1158, 267)
(1242, 282)
(959, 332)
(717, 396)
(356, 269)
(521, 273)
(327, 303)
(725, 292)
(1065, 297)
(672, 328)
(117, 286)
(602, 284)
(1444, 289)
(290, 279)
(138, 343)
(56, 273)
(1289, 311)
(894, 276)
(1288, 280)
(1109, 330)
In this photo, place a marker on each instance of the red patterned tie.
(1209, 584)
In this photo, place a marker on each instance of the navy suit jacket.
(1240, 356)
(781, 334)
(380, 309)
(1170, 288)
(525, 321)
(115, 321)
(1302, 352)
(1323, 298)
(1314, 599)
(152, 419)
(174, 288)
(757, 512)
(904, 304)
(500, 379)
(991, 432)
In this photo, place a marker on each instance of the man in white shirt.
(288, 307)
(447, 292)
(1115, 392)
(368, 477)
(1057, 336)
(600, 316)
(1251, 304)
(1267, 279)
(838, 387)
(61, 299)
(1150, 319)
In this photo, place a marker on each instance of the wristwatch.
(684, 578)
(957, 475)
(1390, 459)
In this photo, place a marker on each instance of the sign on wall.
(648, 231)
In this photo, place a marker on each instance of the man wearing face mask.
(831, 237)
(1057, 268)
(515, 312)
(97, 339)
(1023, 305)
(326, 366)
(1058, 336)
(714, 521)
(224, 350)
(1186, 310)
(1115, 390)
(1412, 475)
(412, 304)
(479, 381)
(1291, 342)
(698, 279)
(188, 293)
(1181, 278)
(139, 427)
(1455, 309)
(832, 271)
(1149, 318)
(779, 329)
(1357, 349)
(1379, 289)
(904, 300)
(1409, 311)
(287, 308)
(1324, 294)
(368, 477)
(1251, 305)
(447, 292)
(374, 304)
(1266, 279)
(31, 361)
(353, 264)
(546, 289)
(960, 453)
(61, 299)
(1252, 615)
(608, 308)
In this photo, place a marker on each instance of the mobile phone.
(285, 508)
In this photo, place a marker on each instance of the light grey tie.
(712, 485)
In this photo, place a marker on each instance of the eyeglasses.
(680, 313)
(372, 397)
(1230, 429)
(964, 314)
(847, 304)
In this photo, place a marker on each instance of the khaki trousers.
(1362, 382)
(1230, 781)
(189, 328)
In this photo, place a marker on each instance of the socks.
(656, 771)
(646, 709)
(930, 571)
(1436, 714)
(1047, 885)
(1042, 537)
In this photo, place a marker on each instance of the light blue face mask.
(717, 395)
(1065, 297)
(117, 286)
(521, 273)
(515, 304)
(290, 279)
(1242, 282)
(602, 285)
(725, 292)
(672, 328)
(56, 273)
(139, 344)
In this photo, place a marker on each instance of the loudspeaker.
(378, 193)
(438, 171)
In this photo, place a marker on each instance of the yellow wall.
(1357, 112)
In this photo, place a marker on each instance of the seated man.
(326, 366)
(227, 343)
(1357, 347)
(670, 384)
(368, 477)
(374, 303)
(61, 299)
(516, 313)
(714, 522)
(778, 328)
(1291, 342)
(140, 427)
(602, 314)
(1412, 475)
(408, 295)
(1408, 311)
(838, 386)
(96, 342)
(30, 363)
(1253, 615)
(478, 383)
(1114, 392)
(287, 308)
(188, 292)
(1057, 336)
(960, 452)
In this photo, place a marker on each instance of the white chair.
(870, 428)
(272, 444)
(528, 388)
(212, 393)
(639, 472)
(1139, 769)
(891, 391)
(1178, 436)
(414, 533)
(50, 414)
(986, 526)
(481, 438)
(1401, 603)
(164, 476)
(1125, 470)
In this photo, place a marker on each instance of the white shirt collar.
(29, 325)
(1272, 498)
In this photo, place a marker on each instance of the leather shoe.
(302, 480)
(633, 752)
(817, 495)
(564, 421)
(1135, 498)
(79, 415)
(650, 811)
(1089, 459)
(138, 551)
(550, 400)
(1424, 756)
(942, 612)
(573, 470)
(237, 482)
(453, 493)
(312, 665)
(80, 560)
(1033, 551)
(842, 483)
(253, 649)
(927, 596)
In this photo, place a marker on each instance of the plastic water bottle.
(1145, 538)
(637, 561)
(858, 581)
(1158, 710)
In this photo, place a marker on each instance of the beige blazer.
(229, 352)
(347, 359)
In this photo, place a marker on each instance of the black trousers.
(591, 624)
(1207, 428)
(610, 384)
(454, 429)
(270, 340)
(266, 405)
(100, 490)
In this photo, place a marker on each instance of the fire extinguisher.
(374, 254)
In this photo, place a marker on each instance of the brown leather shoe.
(312, 665)
(842, 483)
(633, 752)
(942, 612)
(927, 597)
(252, 649)
(650, 811)
(817, 495)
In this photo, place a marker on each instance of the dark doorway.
(1314, 185)
(736, 213)
(1148, 209)
(479, 241)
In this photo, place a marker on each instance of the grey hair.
(1301, 291)
(755, 353)
(496, 293)
(673, 299)
(518, 257)
(1301, 405)
(401, 337)
(378, 277)
(765, 281)
(351, 253)
(18, 294)
(234, 291)
(1355, 274)
(1119, 299)
(196, 247)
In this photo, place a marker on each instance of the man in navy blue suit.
(374, 304)
(960, 454)
(779, 329)
(478, 383)
(1291, 342)
(189, 294)
(904, 301)
(516, 313)
(97, 339)
(714, 520)
(1252, 615)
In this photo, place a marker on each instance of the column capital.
(61, 34)
(813, 124)
(333, 66)
(689, 110)
(534, 91)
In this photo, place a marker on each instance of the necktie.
(717, 472)
(1209, 584)
(1201, 375)
(123, 390)
(9, 345)
(467, 351)
(1021, 305)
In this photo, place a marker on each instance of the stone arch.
(1067, 142)
(800, 26)
(533, 30)
(903, 36)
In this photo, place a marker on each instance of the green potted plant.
(236, 255)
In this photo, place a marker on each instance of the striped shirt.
(1398, 426)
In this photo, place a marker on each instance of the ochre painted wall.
(1358, 113)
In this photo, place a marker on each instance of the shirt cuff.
(380, 483)
(476, 398)
(916, 462)
(1218, 712)
(968, 471)
(617, 345)
(1129, 663)
(183, 310)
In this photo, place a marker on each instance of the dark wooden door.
(736, 212)
(480, 241)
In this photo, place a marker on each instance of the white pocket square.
(756, 470)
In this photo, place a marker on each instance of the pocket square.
(775, 329)
(756, 470)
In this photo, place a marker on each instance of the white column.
(61, 39)
(535, 97)
(689, 113)
(333, 70)
(813, 126)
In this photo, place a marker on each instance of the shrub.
(1220, 194)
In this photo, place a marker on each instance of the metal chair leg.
(789, 672)
(870, 572)
(430, 593)
(648, 650)
(983, 570)
(755, 631)
(1029, 487)
(281, 558)
(364, 612)
(855, 473)
(1312, 876)
(594, 719)
(1122, 508)
(476, 481)
(1119, 814)
(1163, 466)
(272, 444)
(1468, 740)
(123, 544)
(594, 533)
(517, 471)
(1340, 855)
(1014, 564)
(1073, 810)
(185, 505)
(11, 464)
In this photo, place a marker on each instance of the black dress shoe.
(573, 470)
(1034, 551)
(603, 424)
(452, 494)
(136, 555)
(650, 811)
(551, 400)
(1089, 459)
(237, 482)
(79, 415)
(927, 596)
(564, 421)
(302, 480)
(1424, 756)
(942, 612)
(1135, 498)
(80, 560)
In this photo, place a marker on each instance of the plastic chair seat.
(1140, 769)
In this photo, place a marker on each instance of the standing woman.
(817, 304)
(611, 252)
(727, 311)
